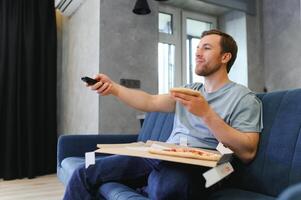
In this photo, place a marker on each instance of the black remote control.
(88, 80)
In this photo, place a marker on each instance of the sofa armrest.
(291, 193)
(78, 145)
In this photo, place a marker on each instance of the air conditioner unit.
(68, 7)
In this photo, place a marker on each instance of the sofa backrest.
(156, 126)
(278, 160)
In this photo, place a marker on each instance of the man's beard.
(205, 71)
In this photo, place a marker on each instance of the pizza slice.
(187, 153)
(187, 91)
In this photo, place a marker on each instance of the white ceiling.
(198, 6)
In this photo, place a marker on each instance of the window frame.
(178, 37)
(193, 16)
(174, 39)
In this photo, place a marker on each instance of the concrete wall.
(104, 36)
(273, 44)
(282, 44)
(234, 23)
(128, 49)
(77, 106)
(256, 77)
(246, 29)
(59, 29)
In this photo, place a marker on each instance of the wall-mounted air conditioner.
(68, 7)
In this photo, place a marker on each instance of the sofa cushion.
(291, 193)
(237, 194)
(156, 126)
(278, 161)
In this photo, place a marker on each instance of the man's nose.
(198, 53)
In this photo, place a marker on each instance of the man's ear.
(226, 57)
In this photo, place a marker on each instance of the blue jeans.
(164, 180)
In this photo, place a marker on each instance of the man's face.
(208, 55)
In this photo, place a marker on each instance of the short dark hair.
(227, 43)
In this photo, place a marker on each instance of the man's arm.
(244, 145)
(135, 98)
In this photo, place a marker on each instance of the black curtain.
(27, 88)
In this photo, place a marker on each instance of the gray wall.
(246, 29)
(273, 44)
(128, 49)
(234, 23)
(254, 50)
(77, 106)
(104, 36)
(282, 44)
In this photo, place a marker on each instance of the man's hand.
(104, 86)
(196, 105)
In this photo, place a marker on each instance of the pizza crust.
(187, 91)
(187, 153)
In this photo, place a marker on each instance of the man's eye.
(207, 48)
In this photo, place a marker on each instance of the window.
(166, 68)
(193, 26)
(166, 54)
(165, 23)
(179, 34)
(169, 49)
(192, 33)
(191, 44)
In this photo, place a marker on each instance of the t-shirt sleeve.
(247, 116)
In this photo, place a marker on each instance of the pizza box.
(219, 169)
(142, 149)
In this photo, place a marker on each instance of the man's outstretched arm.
(135, 98)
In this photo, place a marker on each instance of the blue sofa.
(275, 173)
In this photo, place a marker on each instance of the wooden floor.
(41, 188)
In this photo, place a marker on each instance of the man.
(225, 112)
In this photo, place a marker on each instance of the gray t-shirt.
(234, 103)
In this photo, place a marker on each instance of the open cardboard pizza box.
(220, 167)
(154, 150)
